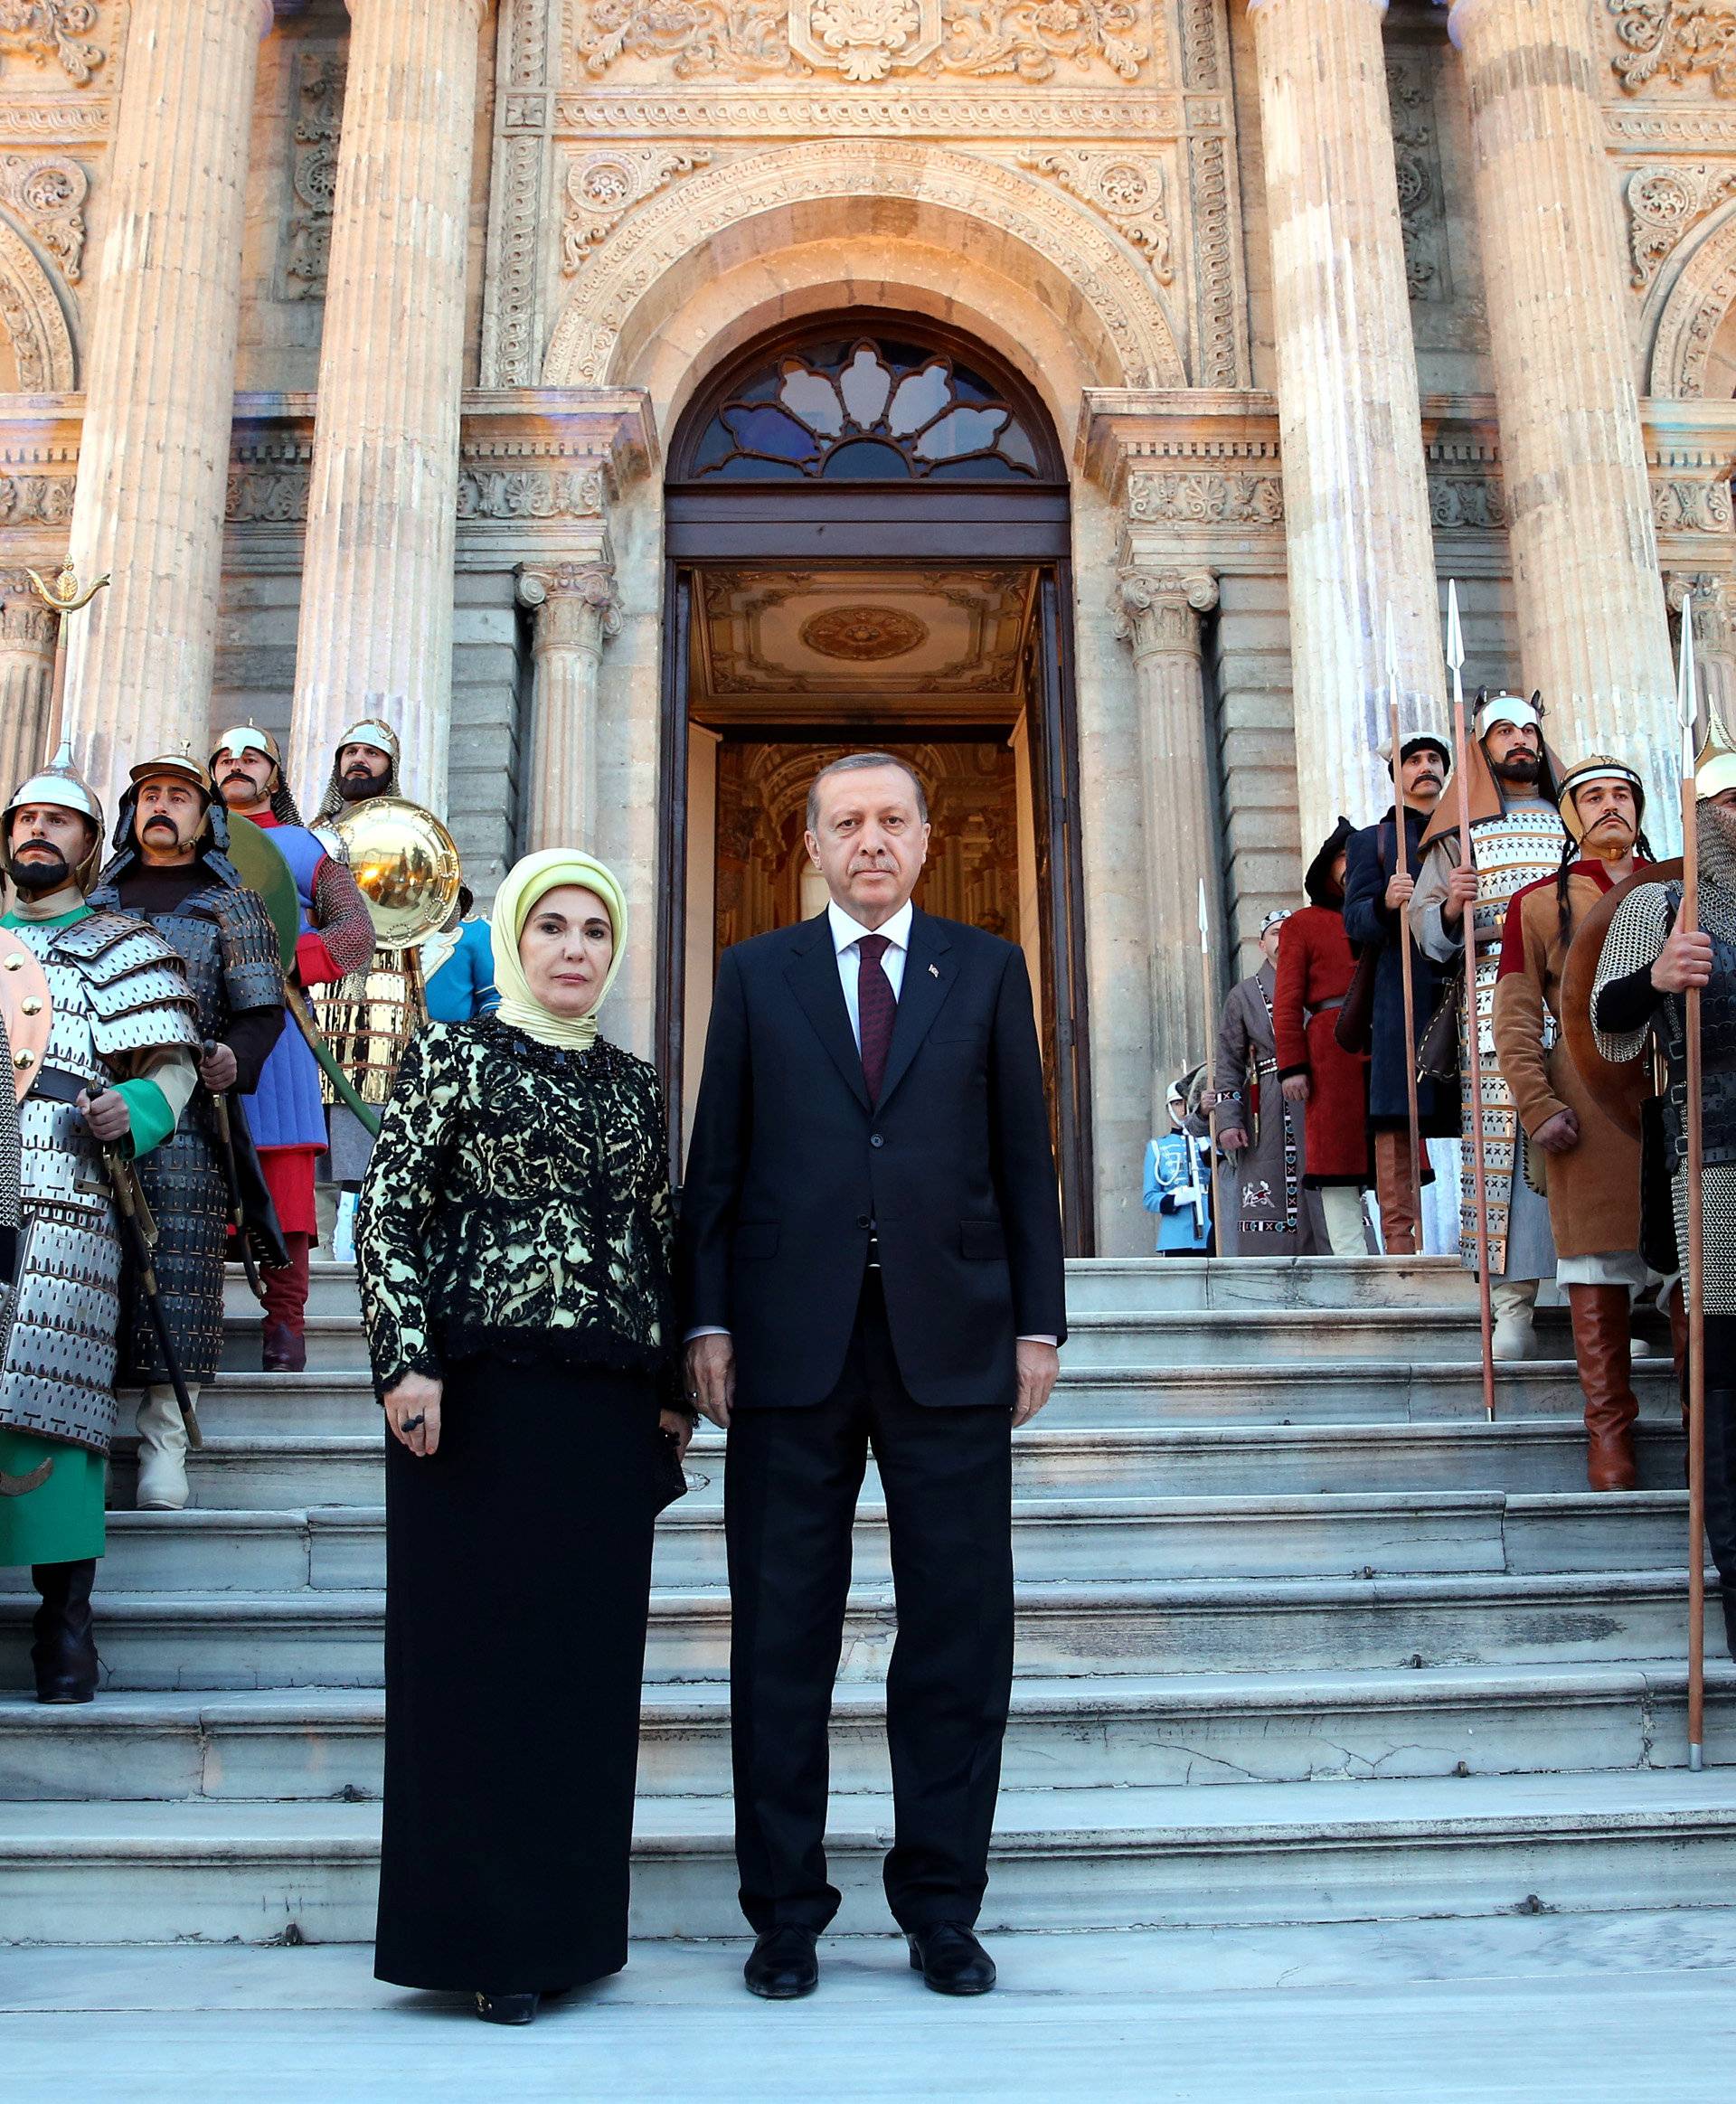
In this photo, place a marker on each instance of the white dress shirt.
(846, 940)
(847, 937)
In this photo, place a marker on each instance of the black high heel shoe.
(508, 2008)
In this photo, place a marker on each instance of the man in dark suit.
(871, 1256)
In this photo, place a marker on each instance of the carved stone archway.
(1702, 292)
(35, 323)
(1097, 270)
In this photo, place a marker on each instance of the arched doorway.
(867, 538)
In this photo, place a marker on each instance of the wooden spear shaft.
(1208, 1009)
(1688, 922)
(1407, 969)
(1474, 1053)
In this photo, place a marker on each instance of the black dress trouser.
(792, 1484)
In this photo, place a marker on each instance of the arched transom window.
(866, 409)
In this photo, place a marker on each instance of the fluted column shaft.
(1158, 613)
(159, 384)
(26, 679)
(577, 611)
(1592, 629)
(1355, 482)
(375, 634)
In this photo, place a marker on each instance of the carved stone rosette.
(576, 608)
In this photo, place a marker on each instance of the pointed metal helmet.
(250, 738)
(381, 736)
(1599, 768)
(1714, 768)
(59, 783)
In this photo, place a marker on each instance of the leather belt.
(1327, 1008)
(55, 1085)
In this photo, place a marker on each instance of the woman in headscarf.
(514, 1250)
(1315, 968)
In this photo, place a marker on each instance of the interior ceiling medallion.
(863, 634)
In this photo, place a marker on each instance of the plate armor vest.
(1516, 849)
(225, 939)
(118, 988)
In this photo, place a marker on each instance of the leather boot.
(284, 1344)
(162, 1451)
(64, 1654)
(1601, 1344)
(1395, 1194)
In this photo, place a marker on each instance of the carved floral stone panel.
(51, 32)
(862, 39)
(318, 105)
(47, 195)
(1675, 41)
(602, 188)
(1128, 190)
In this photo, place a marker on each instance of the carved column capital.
(1713, 601)
(576, 604)
(1159, 610)
(23, 619)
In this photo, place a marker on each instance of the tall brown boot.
(1395, 1194)
(1601, 1346)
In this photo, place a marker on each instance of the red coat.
(1314, 967)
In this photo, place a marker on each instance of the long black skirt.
(518, 1580)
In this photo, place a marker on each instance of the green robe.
(62, 1520)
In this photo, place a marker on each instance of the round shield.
(27, 1010)
(1611, 1081)
(263, 868)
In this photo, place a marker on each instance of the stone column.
(26, 679)
(159, 384)
(1594, 633)
(1356, 484)
(1159, 612)
(577, 608)
(376, 608)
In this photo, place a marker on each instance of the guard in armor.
(1377, 896)
(286, 1111)
(116, 1069)
(1276, 1214)
(171, 868)
(1178, 1180)
(1516, 839)
(1587, 1160)
(1643, 972)
(369, 1018)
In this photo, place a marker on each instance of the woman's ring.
(411, 1423)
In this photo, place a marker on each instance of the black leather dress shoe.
(782, 1965)
(508, 2008)
(951, 1961)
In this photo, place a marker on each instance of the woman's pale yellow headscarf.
(527, 882)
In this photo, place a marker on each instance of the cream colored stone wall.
(1084, 190)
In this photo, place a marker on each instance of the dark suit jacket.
(790, 1171)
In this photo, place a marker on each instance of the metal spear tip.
(1204, 922)
(1687, 686)
(1454, 628)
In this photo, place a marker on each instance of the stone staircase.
(1301, 1637)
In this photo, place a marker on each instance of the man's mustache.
(246, 780)
(160, 820)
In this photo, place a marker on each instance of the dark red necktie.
(876, 1011)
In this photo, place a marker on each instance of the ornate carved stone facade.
(1066, 183)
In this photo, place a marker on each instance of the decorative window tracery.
(866, 409)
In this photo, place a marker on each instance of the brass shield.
(27, 1009)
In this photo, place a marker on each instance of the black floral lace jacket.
(517, 1202)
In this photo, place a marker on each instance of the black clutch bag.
(1438, 1049)
(671, 1477)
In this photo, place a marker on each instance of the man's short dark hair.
(851, 764)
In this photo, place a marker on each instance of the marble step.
(1154, 1338)
(332, 1639)
(1273, 1391)
(343, 1549)
(292, 1470)
(1100, 1285)
(1202, 1730)
(1397, 1850)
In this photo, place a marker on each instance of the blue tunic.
(1175, 1164)
(463, 987)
